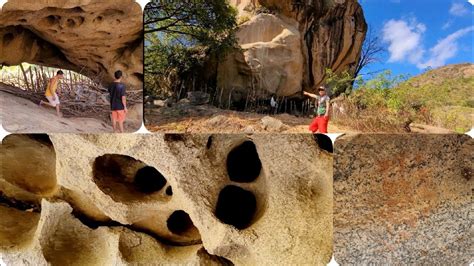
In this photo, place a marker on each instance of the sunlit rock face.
(91, 37)
(287, 45)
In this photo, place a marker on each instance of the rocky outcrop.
(171, 199)
(287, 45)
(403, 199)
(92, 37)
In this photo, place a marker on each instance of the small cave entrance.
(125, 178)
(243, 163)
(180, 223)
(324, 142)
(236, 206)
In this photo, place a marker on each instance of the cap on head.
(322, 88)
(118, 74)
(59, 72)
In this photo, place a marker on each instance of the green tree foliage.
(180, 36)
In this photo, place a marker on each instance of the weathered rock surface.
(403, 199)
(180, 199)
(287, 45)
(92, 37)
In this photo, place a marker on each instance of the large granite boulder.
(92, 37)
(287, 45)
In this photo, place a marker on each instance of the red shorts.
(118, 115)
(319, 123)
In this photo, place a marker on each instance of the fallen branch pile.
(87, 101)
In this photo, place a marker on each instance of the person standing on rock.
(50, 93)
(118, 102)
(320, 122)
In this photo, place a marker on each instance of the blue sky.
(421, 33)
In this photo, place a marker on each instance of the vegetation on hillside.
(442, 97)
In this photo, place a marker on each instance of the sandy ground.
(208, 119)
(20, 115)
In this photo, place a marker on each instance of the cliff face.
(92, 37)
(291, 44)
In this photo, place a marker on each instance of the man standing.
(118, 102)
(320, 122)
(50, 93)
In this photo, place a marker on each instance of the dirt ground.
(208, 119)
(25, 116)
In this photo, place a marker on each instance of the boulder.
(271, 58)
(272, 124)
(287, 45)
(91, 37)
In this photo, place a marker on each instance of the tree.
(370, 53)
(181, 35)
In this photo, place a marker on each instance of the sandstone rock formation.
(403, 199)
(169, 199)
(287, 45)
(91, 37)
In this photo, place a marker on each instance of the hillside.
(437, 101)
(447, 93)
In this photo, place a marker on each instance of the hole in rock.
(149, 180)
(236, 206)
(7, 38)
(51, 20)
(169, 191)
(179, 223)
(209, 142)
(126, 179)
(324, 142)
(243, 163)
(70, 23)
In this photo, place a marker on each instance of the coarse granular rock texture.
(403, 199)
(177, 199)
(92, 37)
(286, 46)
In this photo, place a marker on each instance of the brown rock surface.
(92, 37)
(182, 199)
(329, 34)
(403, 199)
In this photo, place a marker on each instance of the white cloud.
(471, 2)
(448, 24)
(458, 9)
(445, 49)
(404, 39)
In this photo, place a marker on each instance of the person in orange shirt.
(51, 95)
